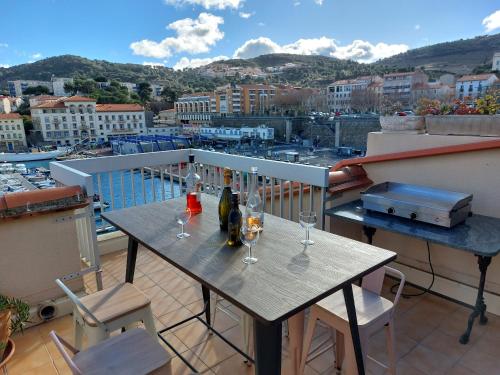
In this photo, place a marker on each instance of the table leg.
(353, 324)
(267, 348)
(206, 300)
(296, 338)
(369, 233)
(131, 258)
(480, 307)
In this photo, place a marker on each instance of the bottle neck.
(227, 182)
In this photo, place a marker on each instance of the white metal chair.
(246, 323)
(97, 315)
(373, 313)
(131, 353)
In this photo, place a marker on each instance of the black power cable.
(426, 290)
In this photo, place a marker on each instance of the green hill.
(459, 57)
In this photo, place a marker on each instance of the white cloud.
(152, 64)
(3, 45)
(296, 3)
(184, 62)
(208, 4)
(261, 24)
(193, 36)
(246, 14)
(256, 47)
(417, 27)
(4, 65)
(319, 2)
(492, 22)
(36, 56)
(359, 50)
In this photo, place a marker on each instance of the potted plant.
(395, 120)
(14, 314)
(467, 117)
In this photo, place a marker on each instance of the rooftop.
(119, 108)
(476, 77)
(10, 116)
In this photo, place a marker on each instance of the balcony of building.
(427, 327)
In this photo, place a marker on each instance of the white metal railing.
(128, 180)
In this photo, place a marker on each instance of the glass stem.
(307, 234)
(250, 251)
(182, 228)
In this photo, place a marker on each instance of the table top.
(478, 234)
(286, 279)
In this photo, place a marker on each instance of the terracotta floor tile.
(213, 351)
(224, 322)
(176, 316)
(324, 364)
(46, 369)
(175, 285)
(440, 342)
(144, 282)
(482, 363)
(196, 307)
(193, 334)
(404, 368)
(428, 361)
(188, 295)
(29, 359)
(460, 370)
(162, 276)
(178, 367)
(161, 302)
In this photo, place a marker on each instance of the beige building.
(71, 120)
(5, 104)
(340, 93)
(495, 65)
(398, 87)
(195, 108)
(12, 135)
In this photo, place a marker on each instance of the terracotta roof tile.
(476, 77)
(79, 99)
(10, 116)
(14, 200)
(119, 108)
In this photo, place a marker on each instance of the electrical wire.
(426, 290)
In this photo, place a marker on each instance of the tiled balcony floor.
(427, 331)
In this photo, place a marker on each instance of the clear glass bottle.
(225, 199)
(193, 189)
(234, 222)
(254, 210)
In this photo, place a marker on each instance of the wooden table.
(286, 279)
(479, 235)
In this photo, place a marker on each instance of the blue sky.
(185, 33)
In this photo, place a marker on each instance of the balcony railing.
(129, 180)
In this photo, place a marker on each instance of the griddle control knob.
(413, 215)
(390, 210)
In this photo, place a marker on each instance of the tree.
(24, 108)
(80, 86)
(364, 100)
(144, 91)
(28, 123)
(169, 94)
(36, 90)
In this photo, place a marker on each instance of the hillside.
(312, 70)
(459, 57)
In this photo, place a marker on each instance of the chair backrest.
(74, 298)
(60, 344)
(375, 280)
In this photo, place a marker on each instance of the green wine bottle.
(234, 222)
(225, 200)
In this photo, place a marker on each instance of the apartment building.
(5, 104)
(495, 65)
(17, 88)
(167, 117)
(398, 86)
(58, 85)
(244, 99)
(71, 120)
(474, 86)
(432, 90)
(196, 108)
(12, 135)
(340, 93)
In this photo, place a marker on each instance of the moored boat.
(29, 156)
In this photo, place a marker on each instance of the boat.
(29, 156)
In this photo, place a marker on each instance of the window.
(47, 127)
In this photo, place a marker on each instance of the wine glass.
(182, 217)
(249, 236)
(307, 220)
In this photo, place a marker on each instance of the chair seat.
(113, 303)
(133, 352)
(369, 306)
